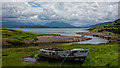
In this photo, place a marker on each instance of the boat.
(67, 54)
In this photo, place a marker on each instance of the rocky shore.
(108, 36)
(56, 39)
(18, 37)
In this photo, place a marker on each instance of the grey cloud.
(70, 12)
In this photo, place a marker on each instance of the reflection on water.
(66, 32)
(4, 55)
(94, 40)
(29, 59)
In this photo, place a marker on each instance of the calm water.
(66, 32)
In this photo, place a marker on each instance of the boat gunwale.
(69, 50)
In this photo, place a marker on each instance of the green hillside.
(113, 27)
(17, 36)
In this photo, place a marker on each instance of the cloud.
(75, 13)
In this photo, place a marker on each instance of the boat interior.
(55, 49)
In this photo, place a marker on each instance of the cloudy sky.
(74, 13)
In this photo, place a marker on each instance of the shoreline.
(56, 39)
(50, 40)
(108, 36)
(18, 37)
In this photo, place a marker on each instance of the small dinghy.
(67, 54)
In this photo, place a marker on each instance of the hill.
(14, 24)
(30, 26)
(54, 24)
(100, 24)
(58, 24)
(89, 25)
(13, 36)
(113, 27)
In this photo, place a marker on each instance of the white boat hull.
(68, 54)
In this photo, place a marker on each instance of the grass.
(17, 36)
(113, 27)
(101, 55)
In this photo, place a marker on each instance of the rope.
(64, 60)
(67, 56)
(90, 60)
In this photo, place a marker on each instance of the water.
(4, 55)
(29, 59)
(66, 32)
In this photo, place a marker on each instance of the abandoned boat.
(67, 54)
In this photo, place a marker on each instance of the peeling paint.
(74, 54)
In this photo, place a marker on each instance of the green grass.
(101, 55)
(18, 36)
(113, 27)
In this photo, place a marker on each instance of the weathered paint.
(75, 54)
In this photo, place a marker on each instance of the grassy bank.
(113, 27)
(17, 36)
(101, 55)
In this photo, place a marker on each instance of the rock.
(100, 34)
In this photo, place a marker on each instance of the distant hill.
(88, 25)
(54, 24)
(14, 24)
(58, 24)
(21, 25)
(113, 27)
(100, 24)
(30, 26)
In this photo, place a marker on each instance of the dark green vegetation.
(18, 36)
(101, 55)
(113, 27)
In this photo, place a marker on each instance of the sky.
(74, 13)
